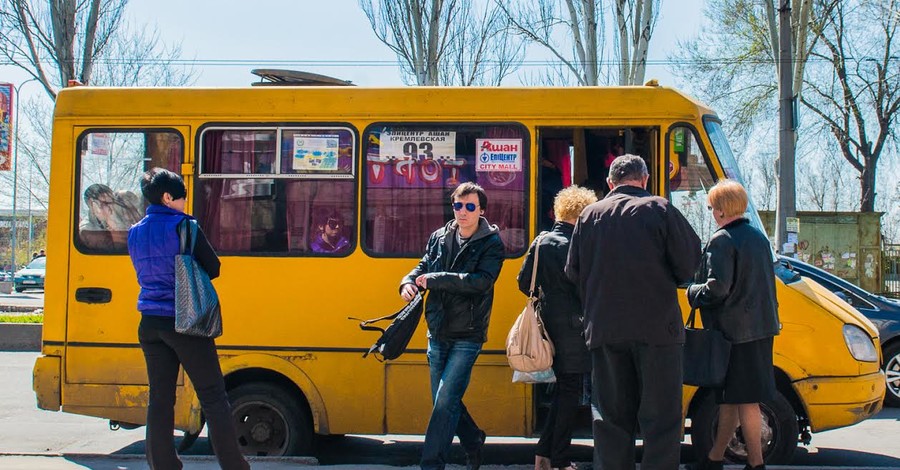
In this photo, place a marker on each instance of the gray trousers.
(636, 384)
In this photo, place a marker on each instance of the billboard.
(6, 125)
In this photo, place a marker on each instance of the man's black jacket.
(460, 285)
(628, 254)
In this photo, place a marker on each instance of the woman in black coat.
(736, 295)
(561, 312)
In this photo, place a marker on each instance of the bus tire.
(270, 421)
(780, 431)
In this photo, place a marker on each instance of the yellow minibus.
(318, 200)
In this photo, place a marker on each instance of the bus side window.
(111, 166)
(257, 196)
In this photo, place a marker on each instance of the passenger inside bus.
(582, 156)
(329, 238)
(109, 216)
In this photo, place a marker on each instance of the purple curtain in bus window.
(228, 209)
(557, 151)
(407, 199)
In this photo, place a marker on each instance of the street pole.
(30, 229)
(15, 224)
(787, 203)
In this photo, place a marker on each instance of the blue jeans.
(450, 364)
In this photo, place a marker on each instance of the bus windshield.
(729, 165)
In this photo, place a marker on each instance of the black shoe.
(473, 458)
(706, 464)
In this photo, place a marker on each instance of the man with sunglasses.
(330, 238)
(462, 260)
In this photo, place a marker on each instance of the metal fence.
(891, 261)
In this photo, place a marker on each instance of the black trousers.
(164, 352)
(556, 437)
(633, 384)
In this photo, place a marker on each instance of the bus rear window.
(112, 163)
(411, 169)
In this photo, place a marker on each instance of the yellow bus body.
(286, 318)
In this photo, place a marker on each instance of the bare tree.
(132, 57)
(481, 51)
(418, 31)
(635, 20)
(730, 64)
(856, 94)
(59, 40)
(573, 31)
(579, 22)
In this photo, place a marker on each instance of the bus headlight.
(859, 344)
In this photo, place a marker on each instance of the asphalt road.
(27, 430)
(31, 298)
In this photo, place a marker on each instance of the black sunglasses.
(470, 206)
(333, 224)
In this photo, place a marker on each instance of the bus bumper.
(46, 382)
(835, 402)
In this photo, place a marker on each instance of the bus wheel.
(779, 431)
(270, 421)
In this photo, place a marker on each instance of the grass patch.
(21, 318)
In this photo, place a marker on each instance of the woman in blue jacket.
(153, 244)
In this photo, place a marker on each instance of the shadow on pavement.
(361, 450)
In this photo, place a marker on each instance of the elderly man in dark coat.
(628, 254)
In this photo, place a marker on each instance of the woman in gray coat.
(562, 315)
(736, 295)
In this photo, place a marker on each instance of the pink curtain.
(557, 151)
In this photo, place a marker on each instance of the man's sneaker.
(473, 458)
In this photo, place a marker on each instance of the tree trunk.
(867, 186)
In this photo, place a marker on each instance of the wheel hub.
(892, 375)
(261, 432)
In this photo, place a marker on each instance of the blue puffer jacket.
(153, 244)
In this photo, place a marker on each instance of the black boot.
(706, 464)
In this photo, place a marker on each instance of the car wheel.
(779, 431)
(270, 421)
(20, 289)
(892, 375)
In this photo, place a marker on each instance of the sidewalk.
(10, 461)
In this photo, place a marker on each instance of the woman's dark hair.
(95, 190)
(159, 181)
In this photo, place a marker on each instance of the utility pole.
(787, 194)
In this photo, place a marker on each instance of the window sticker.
(417, 145)
(316, 152)
(503, 155)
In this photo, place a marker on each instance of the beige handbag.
(528, 347)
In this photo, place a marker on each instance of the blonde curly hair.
(569, 202)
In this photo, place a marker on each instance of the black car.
(883, 312)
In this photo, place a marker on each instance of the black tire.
(20, 289)
(779, 432)
(270, 421)
(892, 375)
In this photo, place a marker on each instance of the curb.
(19, 309)
(20, 337)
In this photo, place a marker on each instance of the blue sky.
(319, 30)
